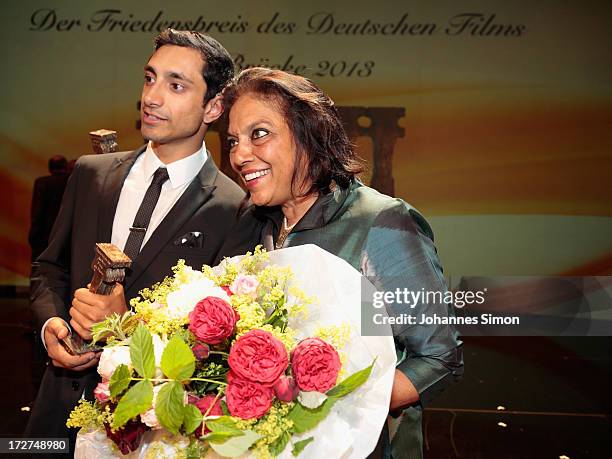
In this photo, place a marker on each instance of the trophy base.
(75, 345)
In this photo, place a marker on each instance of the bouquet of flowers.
(236, 359)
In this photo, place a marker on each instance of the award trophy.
(109, 265)
(103, 141)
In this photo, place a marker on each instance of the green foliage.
(120, 380)
(114, 326)
(299, 446)
(223, 424)
(177, 362)
(192, 418)
(194, 450)
(280, 444)
(236, 446)
(351, 383)
(136, 400)
(141, 352)
(210, 370)
(305, 419)
(280, 316)
(169, 407)
(220, 437)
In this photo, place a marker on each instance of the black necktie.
(143, 216)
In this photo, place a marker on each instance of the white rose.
(111, 358)
(182, 301)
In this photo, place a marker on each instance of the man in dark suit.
(196, 208)
(46, 200)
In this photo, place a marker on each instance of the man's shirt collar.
(180, 172)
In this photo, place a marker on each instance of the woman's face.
(262, 150)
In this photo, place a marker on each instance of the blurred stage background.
(505, 146)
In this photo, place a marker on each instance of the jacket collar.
(320, 213)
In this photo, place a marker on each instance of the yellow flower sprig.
(89, 416)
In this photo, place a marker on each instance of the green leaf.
(299, 446)
(280, 444)
(225, 408)
(169, 407)
(141, 352)
(236, 446)
(192, 418)
(351, 383)
(137, 400)
(120, 380)
(177, 361)
(223, 424)
(220, 437)
(305, 419)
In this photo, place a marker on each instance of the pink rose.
(102, 392)
(286, 389)
(245, 284)
(258, 356)
(212, 320)
(247, 399)
(200, 351)
(315, 365)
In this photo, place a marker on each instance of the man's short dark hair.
(58, 163)
(218, 67)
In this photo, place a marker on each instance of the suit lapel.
(109, 196)
(195, 196)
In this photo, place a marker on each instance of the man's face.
(172, 103)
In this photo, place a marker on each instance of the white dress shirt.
(137, 182)
(180, 173)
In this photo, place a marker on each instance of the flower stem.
(219, 353)
(190, 379)
(208, 380)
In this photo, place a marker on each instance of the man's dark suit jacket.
(209, 205)
(46, 201)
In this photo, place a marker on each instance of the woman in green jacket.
(289, 147)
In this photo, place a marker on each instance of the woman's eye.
(259, 133)
(231, 143)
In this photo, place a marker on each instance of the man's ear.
(213, 109)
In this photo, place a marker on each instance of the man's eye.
(231, 143)
(259, 133)
(177, 87)
(149, 79)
